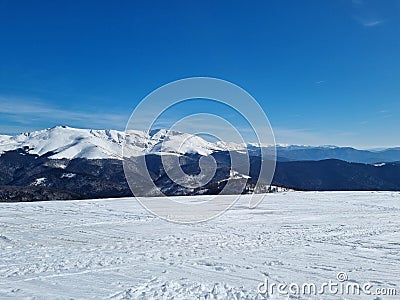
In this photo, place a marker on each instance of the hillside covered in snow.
(69, 143)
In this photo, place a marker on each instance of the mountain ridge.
(65, 142)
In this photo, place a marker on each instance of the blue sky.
(325, 72)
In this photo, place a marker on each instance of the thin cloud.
(369, 21)
(28, 113)
(372, 23)
(365, 15)
(298, 137)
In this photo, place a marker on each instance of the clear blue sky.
(325, 72)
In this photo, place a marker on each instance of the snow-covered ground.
(114, 249)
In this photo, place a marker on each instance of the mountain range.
(70, 163)
(69, 143)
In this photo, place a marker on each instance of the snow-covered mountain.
(82, 163)
(62, 142)
(70, 143)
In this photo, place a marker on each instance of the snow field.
(115, 249)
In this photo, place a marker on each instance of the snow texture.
(115, 249)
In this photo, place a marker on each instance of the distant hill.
(337, 175)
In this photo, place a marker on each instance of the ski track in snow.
(115, 249)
